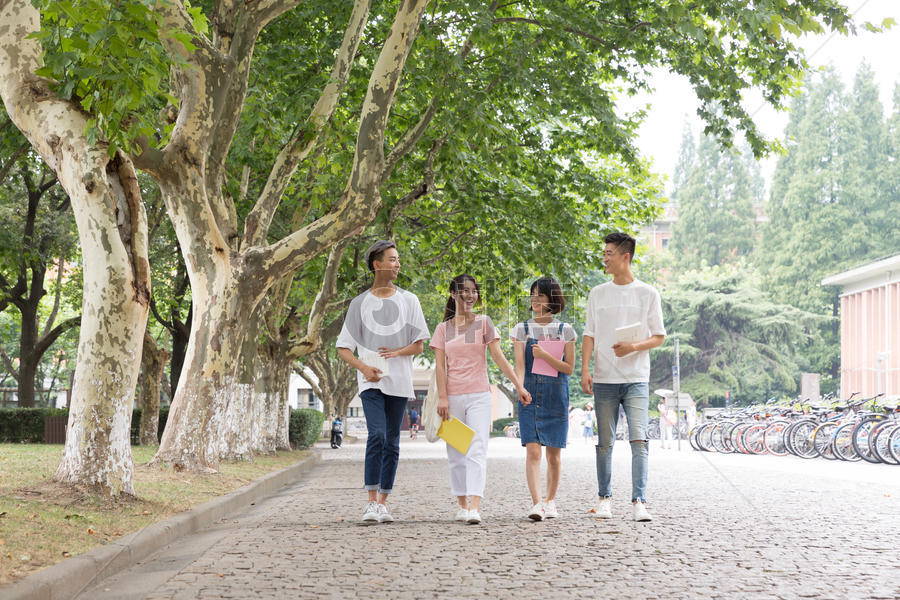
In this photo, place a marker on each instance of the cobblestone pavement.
(725, 526)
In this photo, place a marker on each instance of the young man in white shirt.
(386, 326)
(621, 374)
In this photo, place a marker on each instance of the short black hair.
(376, 251)
(550, 288)
(623, 242)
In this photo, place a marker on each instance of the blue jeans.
(635, 398)
(384, 415)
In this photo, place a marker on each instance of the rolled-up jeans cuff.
(385, 492)
(372, 488)
(643, 500)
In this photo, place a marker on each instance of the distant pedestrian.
(413, 423)
(667, 419)
(587, 424)
(621, 374)
(464, 391)
(544, 422)
(384, 368)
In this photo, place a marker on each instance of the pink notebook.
(556, 349)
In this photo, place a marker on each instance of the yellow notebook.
(457, 434)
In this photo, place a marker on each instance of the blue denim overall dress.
(546, 420)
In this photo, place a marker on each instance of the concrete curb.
(70, 577)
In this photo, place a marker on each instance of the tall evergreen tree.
(687, 156)
(716, 218)
(828, 204)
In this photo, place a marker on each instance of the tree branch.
(56, 298)
(16, 155)
(298, 147)
(423, 189)
(312, 340)
(47, 340)
(10, 367)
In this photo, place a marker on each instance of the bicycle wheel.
(893, 444)
(787, 435)
(823, 440)
(801, 439)
(719, 435)
(862, 437)
(704, 437)
(731, 437)
(753, 439)
(693, 434)
(734, 441)
(773, 438)
(880, 440)
(843, 443)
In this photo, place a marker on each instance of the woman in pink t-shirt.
(464, 391)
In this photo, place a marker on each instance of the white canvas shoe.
(474, 518)
(384, 515)
(537, 512)
(550, 511)
(604, 509)
(462, 515)
(370, 514)
(640, 512)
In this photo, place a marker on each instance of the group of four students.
(385, 326)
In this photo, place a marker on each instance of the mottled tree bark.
(112, 230)
(153, 367)
(229, 278)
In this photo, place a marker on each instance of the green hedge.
(499, 424)
(305, 427)
(26, 425)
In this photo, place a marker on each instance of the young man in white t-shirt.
(621, 374)
(386, 327)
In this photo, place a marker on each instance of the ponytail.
(457, 284)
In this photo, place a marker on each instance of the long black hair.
(456, 285)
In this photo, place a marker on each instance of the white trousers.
(468, 472)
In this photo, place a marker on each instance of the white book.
(630, 333)
(373, 359)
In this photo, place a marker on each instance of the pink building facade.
(870, 328)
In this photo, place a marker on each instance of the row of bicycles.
(865, 429)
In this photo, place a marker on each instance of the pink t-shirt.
(466, 356)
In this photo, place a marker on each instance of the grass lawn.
(42, 523)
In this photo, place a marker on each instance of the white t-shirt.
(611, 306)
(394, 322)
(536, 331)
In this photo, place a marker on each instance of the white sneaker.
(537, 512)
(474, 518)
(462, 515)
(550, 511)
(604, 509)
(371, 512)
(640, 512)
(383, 515)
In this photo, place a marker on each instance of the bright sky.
(674, 102)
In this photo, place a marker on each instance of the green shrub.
(25, 425)
(499, 424)
(305, 427)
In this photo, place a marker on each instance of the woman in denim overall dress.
(544, 422)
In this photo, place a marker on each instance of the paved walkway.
(725, 526)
